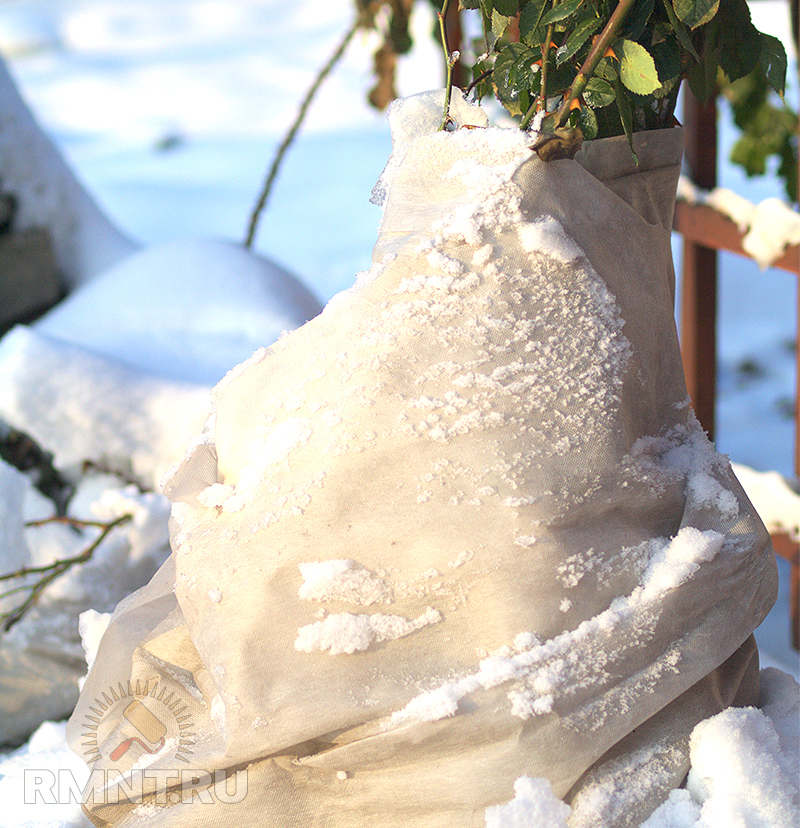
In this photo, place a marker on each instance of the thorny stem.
(541, 100)
(594, 57)
(481, 77)
(53, 570)
(301, 114)
(545, 54)
(448, 59)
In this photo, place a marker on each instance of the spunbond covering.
(459, 529)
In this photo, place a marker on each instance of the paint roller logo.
(151, 728)
(138, 719)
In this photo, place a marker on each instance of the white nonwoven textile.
(492, 426)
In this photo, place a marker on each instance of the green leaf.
(740, 40)
(695, 13)
(625, 114)
(588, 123)
(486, 19)
(768, 131)
(773, 62)
(680, 31)
(582, 32)
(667, 57)
(637, 18)
(499, 24)
(607, 69)
(531, 30)
(481, 87)
(703, 75)
(599, 93)
(548, 123)
(515, 71)
(508, 8)
(637, 69)
(469, 4)
(562, 11)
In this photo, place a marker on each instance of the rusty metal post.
(699, 270)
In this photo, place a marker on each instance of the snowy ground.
(171, 111)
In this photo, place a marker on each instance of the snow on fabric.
(342, 580)
(541, 670)
(503, 391)
(347, 633)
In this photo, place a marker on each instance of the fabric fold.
(463, 526)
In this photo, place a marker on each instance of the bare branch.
(49, 572)
(323, 73)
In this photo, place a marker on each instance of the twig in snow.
(49, 572)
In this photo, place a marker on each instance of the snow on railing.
(769, 229)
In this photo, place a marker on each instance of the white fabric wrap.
(536, 550)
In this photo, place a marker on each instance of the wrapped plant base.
(459, 529)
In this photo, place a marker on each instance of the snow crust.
(534, 803)
(343, 580)
(744, 767)
(345, 632)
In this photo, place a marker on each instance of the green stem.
(448, 84)
(541, 100)
(594, 57)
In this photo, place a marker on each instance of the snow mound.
(534, 803)
(187, 310)
(81, 406)
(49, 196)
(769, 226)
(739, 776)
